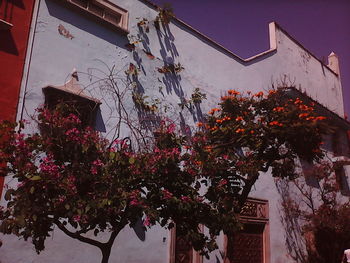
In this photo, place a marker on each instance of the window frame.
(106, 7)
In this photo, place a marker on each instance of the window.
(72, 94)
(104, 11)
(6, 14)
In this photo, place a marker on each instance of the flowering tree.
(248, 135)
(71, 177)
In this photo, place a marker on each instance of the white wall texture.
(207, 66)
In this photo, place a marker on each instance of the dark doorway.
(247, 246)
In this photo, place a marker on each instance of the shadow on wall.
(170, 76)
(139, 230)
(168, 51)
(7, 43)
(67, 15)
(11, 3)
(294, 239)
(7, 7)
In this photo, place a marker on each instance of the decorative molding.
(72, 87)
(255, 209)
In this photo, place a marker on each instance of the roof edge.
(302, 46)
(272, 37)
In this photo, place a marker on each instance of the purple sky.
(322, 26)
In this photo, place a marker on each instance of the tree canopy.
(69, 175)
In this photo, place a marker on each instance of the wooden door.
(247, 246)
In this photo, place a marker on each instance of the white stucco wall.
(207, 66)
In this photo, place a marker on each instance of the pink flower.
(93, 170)
(21, 184)
(134, 202)
(97, 162)
(166, 194)
(74, 118)
(200, 199)
(49, 167)
(72, 131)
(146, 222)
(61, 198)
(185, 198)
(223, 182)
(76, 218)
(171, 128)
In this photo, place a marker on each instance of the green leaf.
(8, 194)
(67, 206)
(35, 178)
(32, 189)
(132, 160)
(85, 148)
(34, 217)
(20, 220)
(112, 155)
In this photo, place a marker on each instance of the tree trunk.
(106, 252)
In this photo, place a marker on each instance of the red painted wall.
(13, 47)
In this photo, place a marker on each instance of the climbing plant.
(316, 218)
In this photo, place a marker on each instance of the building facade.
(15, 21)
(74, 46)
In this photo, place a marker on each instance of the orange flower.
(302, 115)
(278, 109)
(240, 130)
(259, 94)
(239, 118)
(252, 132)
(272, 91)
(233, 92)
(275, 123)
(212, 111)
(209, 148)
(297, 101)
(305, 107)
(199, 124)
(320, 118)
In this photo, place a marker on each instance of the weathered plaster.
(208, 66)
